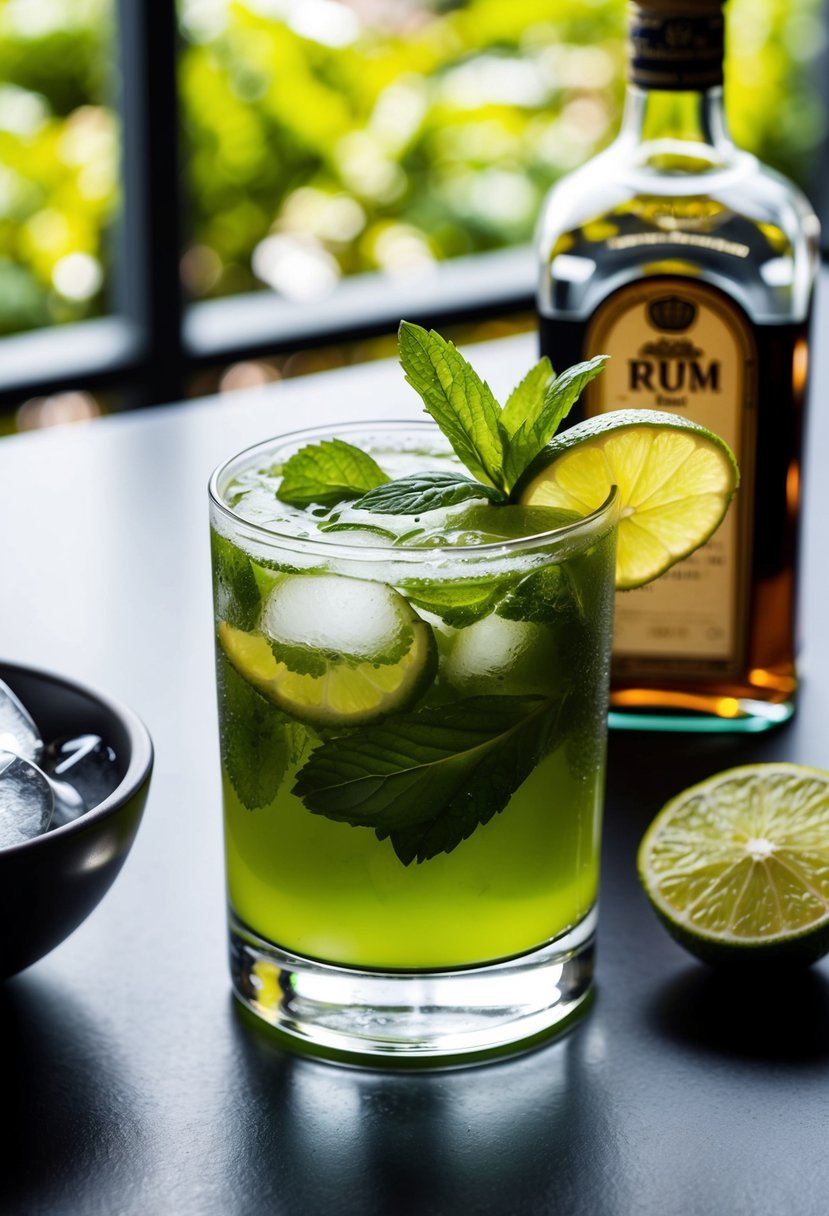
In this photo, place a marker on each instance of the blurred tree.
(58, 160)
(327, 137)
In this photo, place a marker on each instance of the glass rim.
(321, 545)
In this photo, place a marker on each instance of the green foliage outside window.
(325, 138)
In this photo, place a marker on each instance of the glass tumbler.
(413, 730)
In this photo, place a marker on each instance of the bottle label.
(676, 53)
(685, 347)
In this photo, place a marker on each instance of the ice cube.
(497, 656)
(83, 771)
(68, 803)
(18, 732)
(26, 800)
(338, 614)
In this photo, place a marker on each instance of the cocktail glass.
(413, 735)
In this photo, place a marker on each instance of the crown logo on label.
(671, 313)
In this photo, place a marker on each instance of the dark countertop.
(130, 1082)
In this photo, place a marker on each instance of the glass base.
(441, 1018)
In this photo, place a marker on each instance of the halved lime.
(333, 651)
(737, 867)
(675, 481)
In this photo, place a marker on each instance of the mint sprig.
(461, 403)
(428, 779)
(545, 414)
(527, 396)
(496, 444)
(328, 472)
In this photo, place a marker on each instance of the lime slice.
(675, 481)
(334, 651)
(737, 867)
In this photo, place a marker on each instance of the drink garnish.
(327, 473)
(675, 480)
(259, 745)
(335, 679)
(496, 444)
(428, 779)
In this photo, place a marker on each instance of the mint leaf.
(425, 492)
(328, 472)
(528, 396)
(542, 421)
(259, 744)
(426, 780)
(548, 596)
(311, 661)
(303, 660)
(457, 604)
(353, 526)
(235, 590)
(460, 402)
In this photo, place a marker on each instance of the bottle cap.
(680, 8)
(676, 45)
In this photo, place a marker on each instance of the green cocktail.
(412, 717)
(413, 673)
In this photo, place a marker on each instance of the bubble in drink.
(26, 800)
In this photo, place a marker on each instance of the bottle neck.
(674, 106)
(658, 118)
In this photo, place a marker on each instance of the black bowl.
(49, 884)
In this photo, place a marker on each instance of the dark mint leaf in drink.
(425, 492)
(337, 525)
(311, 661)
(259, 744)
(547, 596)
(235, 588)
(547, 415)
(328, 472)
(458, 604)
(460, 402)
(428, 779)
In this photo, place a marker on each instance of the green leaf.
(427, 780)
(528, 396)
(352, 526)
(425, 492)
(542, 422)
(235, 589)
(457, 604)
(460, 402)
(327, 473)
(548, 596)
(311, 661)
(304, 660)
(259, 744)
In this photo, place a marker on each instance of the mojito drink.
(412, 716)
(413, 629)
